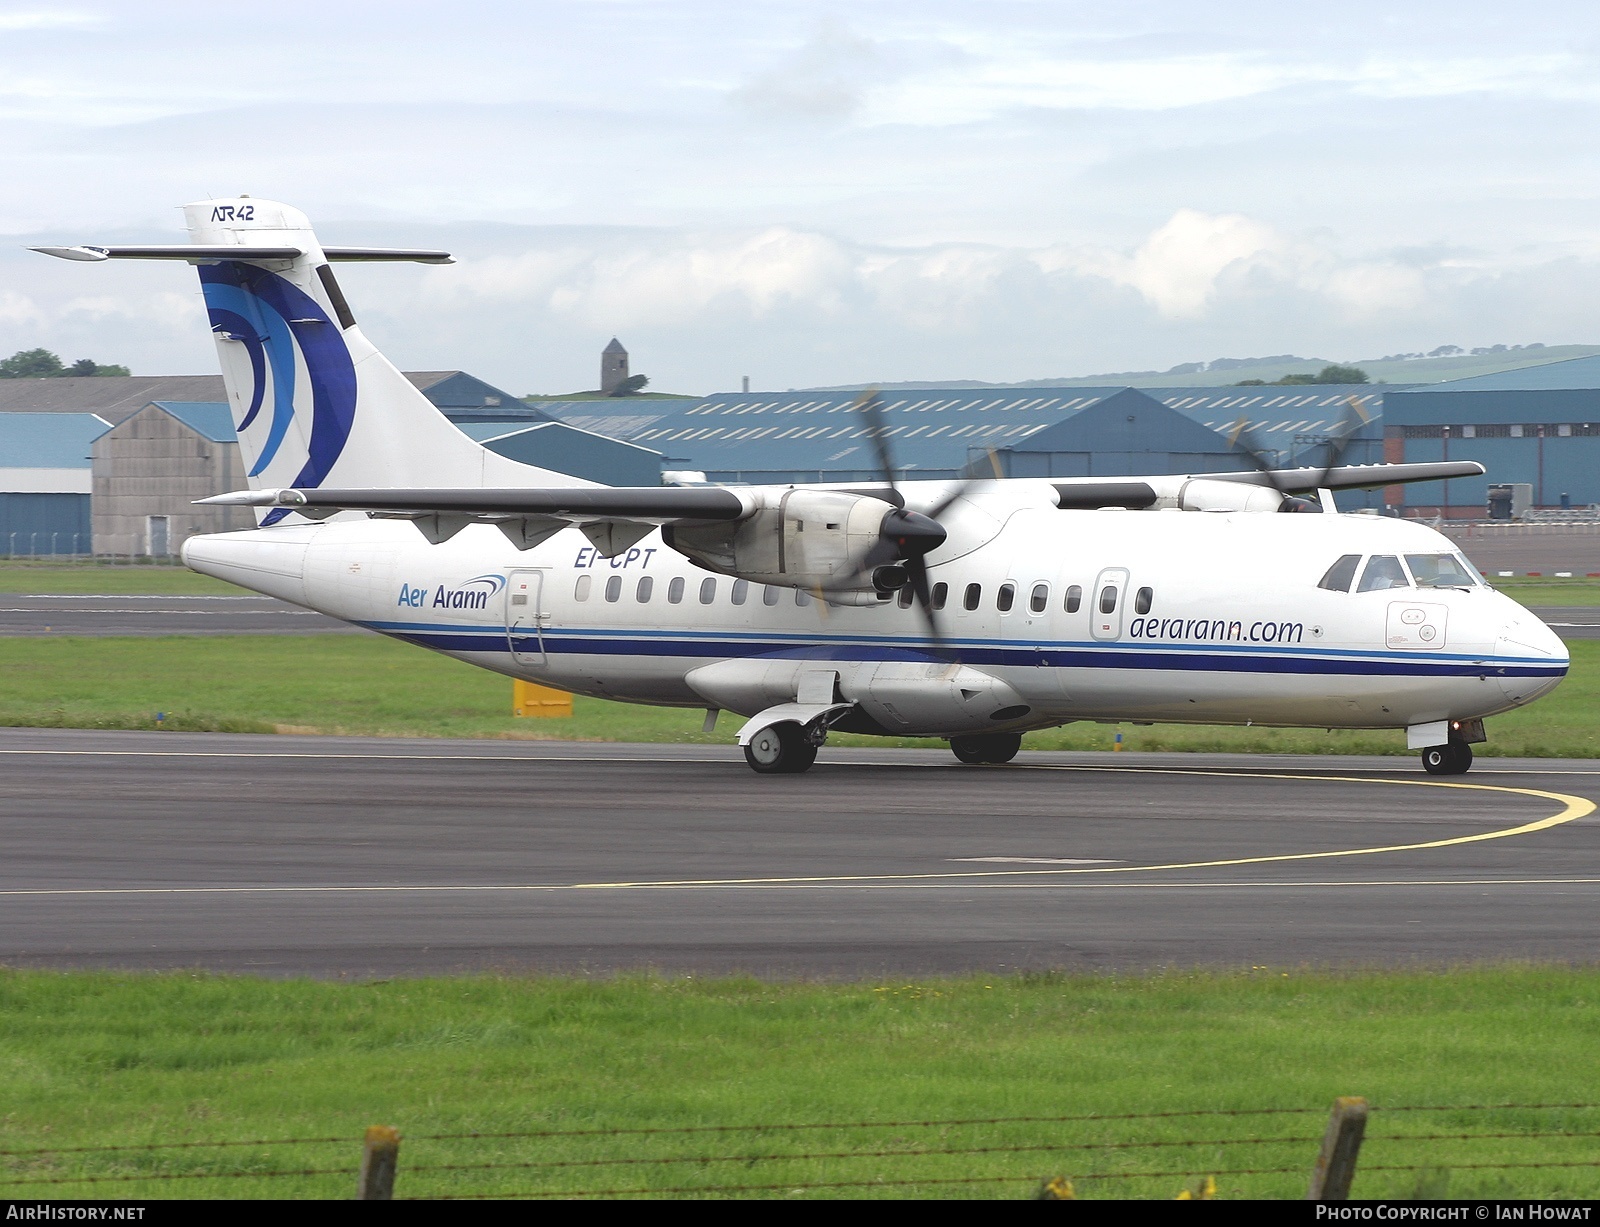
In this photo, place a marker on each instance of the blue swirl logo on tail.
(271, 318)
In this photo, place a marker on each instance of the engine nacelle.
(1201, 494)
(815, 539)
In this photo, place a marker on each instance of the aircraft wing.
(614, 518)
(1137, 493)
(1354, 476)
(657, 504)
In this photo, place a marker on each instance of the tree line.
(42, 364)
(1328, 374)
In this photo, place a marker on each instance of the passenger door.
(1110, 596)
(525, 617)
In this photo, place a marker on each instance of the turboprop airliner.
(972, 611)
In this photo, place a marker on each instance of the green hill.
(1222, 372)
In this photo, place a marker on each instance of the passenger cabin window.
(941, 594)
(1039, 600)
(1006, 597)
(741, 589)
(708, 591)
(1341, 574)
(675, 590)
(906, 593)
(1440, 571)
(973, 595)
(1108, 599)
(1074, 598)
(646, 585)
(1383, 571)
(581, 592)
(1141, 601)
(771, 594)
(614, 589)
(802, 598)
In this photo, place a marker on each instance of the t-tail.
(313, 400)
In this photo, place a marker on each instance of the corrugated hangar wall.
(1539, 425)
(44, 523)
(44, 482)
(148, 470)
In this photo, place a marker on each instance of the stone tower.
(613, 366)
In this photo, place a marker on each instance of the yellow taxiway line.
(1572, 808)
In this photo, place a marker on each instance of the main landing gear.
(986, 747)
(1453, 758)
(781, 749)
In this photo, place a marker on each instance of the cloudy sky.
(818, 193)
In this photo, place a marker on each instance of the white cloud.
(1007, 190)
(48, 19)
(826, 77)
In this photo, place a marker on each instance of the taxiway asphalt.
(41, 616)
(364, 857)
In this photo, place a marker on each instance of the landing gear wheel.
(986, 747)
(1451, 759)
(780, 749)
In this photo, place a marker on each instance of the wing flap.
(1354, 476)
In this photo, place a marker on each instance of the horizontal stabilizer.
(201, 251)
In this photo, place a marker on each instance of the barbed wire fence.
(1252, 1151)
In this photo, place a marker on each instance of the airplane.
(969, 610)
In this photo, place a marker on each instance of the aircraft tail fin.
(313, 401)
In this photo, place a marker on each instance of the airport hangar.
(1538, 425)
(156, 443)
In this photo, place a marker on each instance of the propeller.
(1243, 437)
(913, 535)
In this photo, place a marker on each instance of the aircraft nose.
(1535, 658)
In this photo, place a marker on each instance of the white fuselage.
(1217, 618)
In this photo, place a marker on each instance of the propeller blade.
(1242, 436)
(923, 591)
(870, 405)
(913, 534)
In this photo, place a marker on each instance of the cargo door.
(525, 617)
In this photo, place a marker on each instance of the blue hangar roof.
(1574, 374)
(566, 449)
(48, 440)
(213, 419)
(810, 436)
(1290, 423)
(1551, 393)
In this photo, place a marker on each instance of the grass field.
(75, 579)
(368, 685)
(1550, 591)
(102, 1059)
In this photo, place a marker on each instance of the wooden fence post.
(1336, 1163)
(380, 1155)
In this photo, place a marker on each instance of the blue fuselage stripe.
(1207, 659)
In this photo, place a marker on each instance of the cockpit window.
(1341, 574)
(1440, 571)
(1383, 571)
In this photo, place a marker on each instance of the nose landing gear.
(1453, 758)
